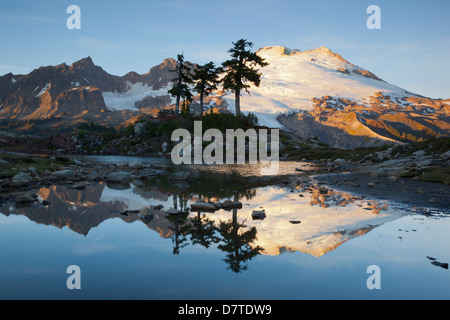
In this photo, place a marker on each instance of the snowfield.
(44, 89)
(136, 92)
(288, 85)
(293, 78)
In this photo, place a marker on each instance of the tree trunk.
(179, 85)
(201, 103)
(238, 102)
(177, 105)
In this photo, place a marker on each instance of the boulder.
(181, 175)
(440, 264)
(174, 212)
(135, 165)
(165, 147)
(24, 198)
(419, 153)
(139, 128)
(64, 174)
(94, 176)
(146, 213)
(203, 207)
(21, 180)
(258, 215)
(446, 155)
(118, 177)
(79, 186)
(227, 204)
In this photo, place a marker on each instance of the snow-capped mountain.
(313, 93)
(81, 87)
(293, 78)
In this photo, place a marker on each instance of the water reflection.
(304, 217)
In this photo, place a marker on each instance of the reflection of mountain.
(79, 210)
(315, 223)
(82, 210)
(312, 220)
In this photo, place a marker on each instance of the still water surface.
(310, 245)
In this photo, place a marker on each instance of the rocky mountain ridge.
(313, 93)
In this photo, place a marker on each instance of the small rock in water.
(181, 175)
(323, 190)
(157, 207)
(203, 206)
(118, 177)
(440, 264)
(79, 186)
(259, 215)
(173, 212)
(25, 198)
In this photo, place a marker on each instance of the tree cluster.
(238, 74)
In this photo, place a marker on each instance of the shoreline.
(338, 176)
(421, 195)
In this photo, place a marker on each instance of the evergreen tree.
(206, 78)
(241, 70)
(180, 90)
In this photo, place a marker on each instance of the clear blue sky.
(411, 50)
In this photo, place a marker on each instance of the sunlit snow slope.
(293, 78)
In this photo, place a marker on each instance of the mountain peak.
(324, 51)
(83, 63)
(277, 51)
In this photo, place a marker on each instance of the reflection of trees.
(178, 238)
(208, 186)
(203, 231)
(178, 220)
(237, 243)
(232, 237)
(183, 200)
